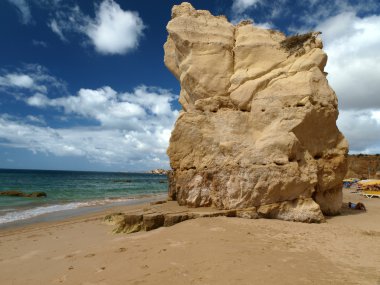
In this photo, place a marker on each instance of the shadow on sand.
(346, 211)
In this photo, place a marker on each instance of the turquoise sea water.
(68, 190)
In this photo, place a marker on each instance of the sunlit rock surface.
(258, 126)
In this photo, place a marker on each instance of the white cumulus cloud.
(114, 31)
(111, 109)
(362, 129)
(130, 130)
(300, 16)
(141, 145)
(38, 100)
(31, 78)
(353, 46)
(16, 80)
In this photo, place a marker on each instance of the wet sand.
(82, 250)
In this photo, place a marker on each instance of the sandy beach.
(83, 250)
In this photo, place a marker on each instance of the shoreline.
(60, 215)
(221, 250)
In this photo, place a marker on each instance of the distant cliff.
(363, 166)
(159, 171)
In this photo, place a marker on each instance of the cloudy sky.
(83, 85)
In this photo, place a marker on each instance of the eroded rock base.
(167, 214)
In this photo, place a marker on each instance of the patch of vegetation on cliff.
(295, 42)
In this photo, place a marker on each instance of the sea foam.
(31, 213)
(38, 211)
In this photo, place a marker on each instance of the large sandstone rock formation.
(258, 126)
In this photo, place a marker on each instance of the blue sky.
(83, 85)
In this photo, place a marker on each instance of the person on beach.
(358, 206)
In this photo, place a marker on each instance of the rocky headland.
(363, 166)
(258, 125)
(159, 171)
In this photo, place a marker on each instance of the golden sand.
(344, 250)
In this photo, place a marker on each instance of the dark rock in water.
(16, 193)
(37, 194)
(162, 181)
(126, 181)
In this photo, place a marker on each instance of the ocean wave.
(7, 210)
(134, 197)
(38, 211)
(31, 213)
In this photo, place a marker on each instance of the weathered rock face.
(258, 125)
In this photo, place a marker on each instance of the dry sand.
(345, 250)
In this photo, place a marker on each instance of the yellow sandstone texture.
(258, 125)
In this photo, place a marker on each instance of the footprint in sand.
(101, 269)
(90, 255)
(371, 233)
(70, 255)
(61, 279)
(121, 249)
